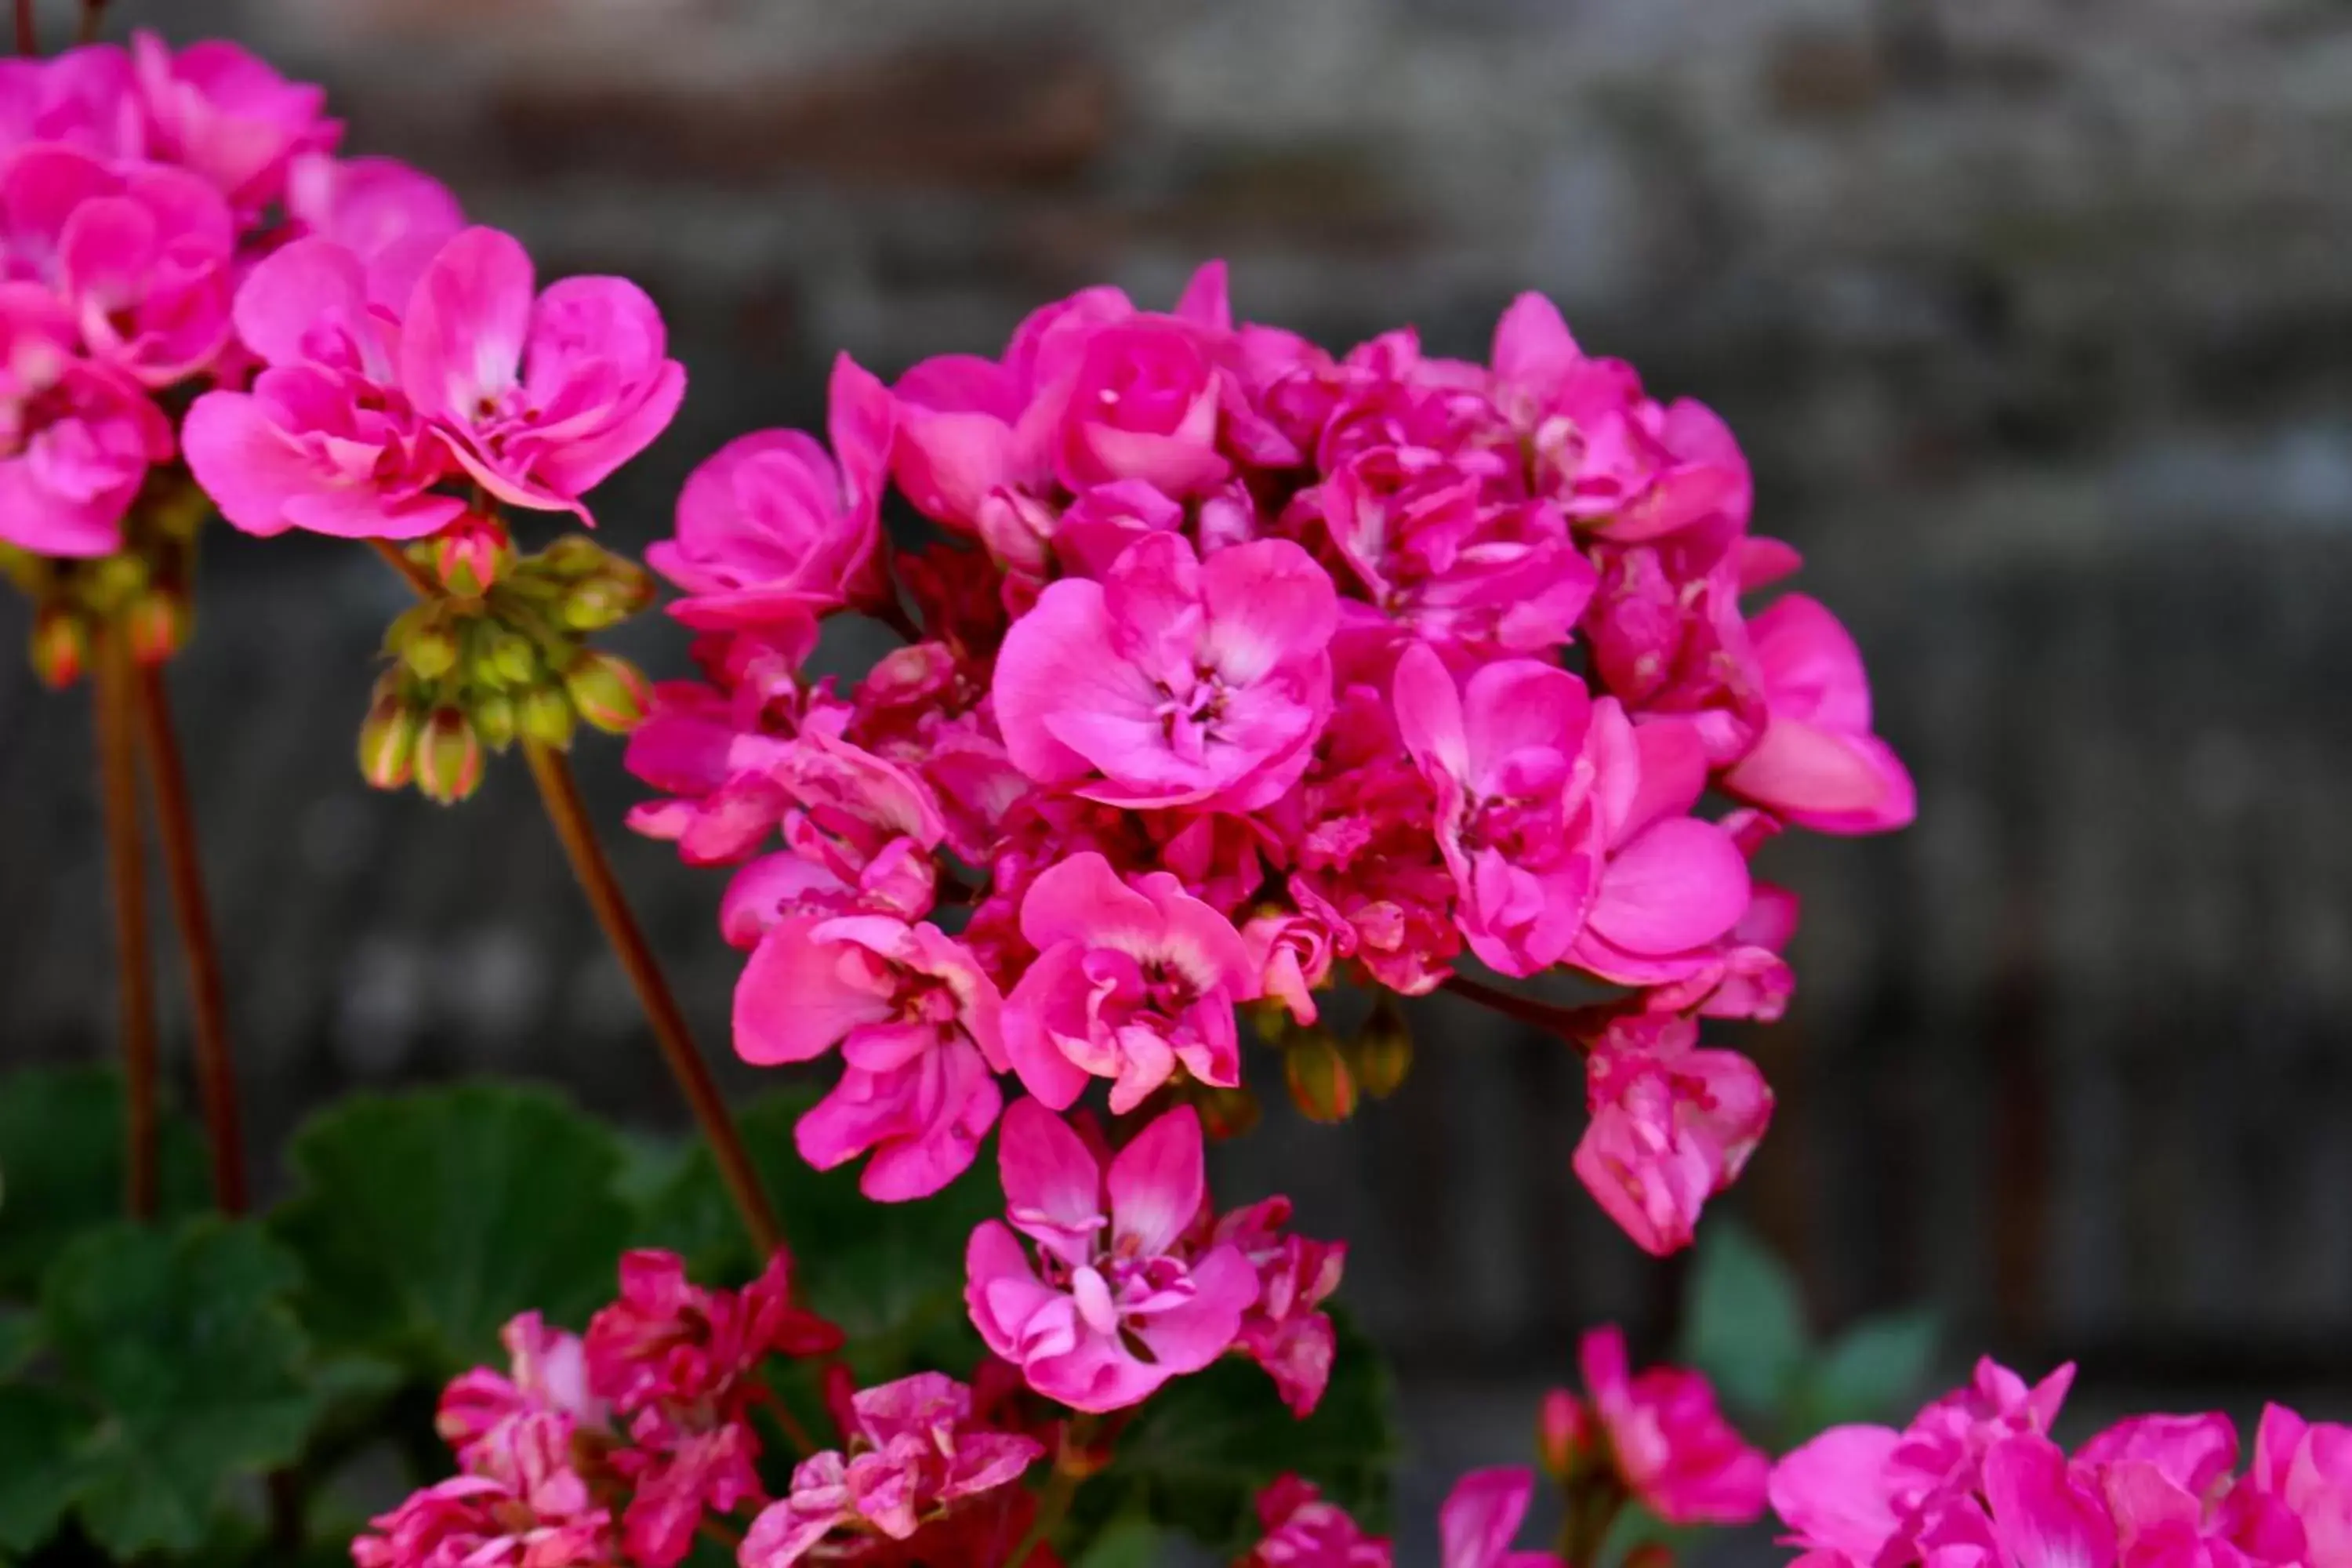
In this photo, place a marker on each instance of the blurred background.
(2035, 317)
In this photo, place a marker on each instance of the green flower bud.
(60, 646)
(609, 691)
(431, 651)
(1381, 1053)
(544, 714)
(1320, 1084)
(494, 719)
(593, 605)
(388, 736)
(512, 659)
(448, 757)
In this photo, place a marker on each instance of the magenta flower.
(2295, 1502)
(1481, 1518)
(914, 1455)
(1174, 681)
(2033, 1515)
(1115, 1303)
(916, 1019)
(547, 1374)
(229, 117)
(392, 217)
(1817, 763)
(520, 1505)
(1671, 1126)
(1282, 1331)
(771, 528)
(1306, 1530)
(1669, 1441)
(1139, 402)
(538, 396)
(86, 98)
(1129, 983)
(76, 438)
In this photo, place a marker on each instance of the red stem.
(28, 40)
(115, 719)
(1577, 1024)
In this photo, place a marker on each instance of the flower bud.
(544, 714)
(494, 719)
(1381, 1052)
(1320, 1084)
(510, 659)
(470, 554)
(1225, 1112)
(388, 737)
(609, 691)
(1563, 1434)
(448, 757)
(156, 625)
(572, 555)
(60, 646)
(430, 650)
(593, 603)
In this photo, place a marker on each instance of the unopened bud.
(115, 581)
(595, 604)
(155, 624)
(511, 658)
(632, 584)
(470, 554)
(1225, 1112)
(1320, 1084)
(1563, 1434)
(609, 691)
(448, 757)
(431, 651)
(388, 737)
(544, 714)
(60, 646)
(1381, 1052)
(573, 556)
(494, 719)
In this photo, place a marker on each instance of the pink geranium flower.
(1305, 1529)
(918, 1022)
(1817, 763)
(1669, 1441)
(547, 1374)
(1116, 1303)
(538, 395)
(1284, 1332)
(1481, 1518)
(1130, 982)
(773, 527)
(226, 114)
(1175, 679)
(392, 217)
(1671, 1126)
(76, 438)
(520, 1505)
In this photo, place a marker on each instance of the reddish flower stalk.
(560, 795)
(93, 16)
(29, 41)
(1575, 1024)
(207, 1001)
(114, 719)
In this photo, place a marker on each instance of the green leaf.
(39, 1429)
(424, 1222)
(1871, 1373)
(61, 1145)
(1204, 1447)
(20, 1336)
(890, 1274)
(185, 1345)
(1130, 1540)
(1745, 1323)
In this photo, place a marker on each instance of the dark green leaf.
(185, 1345)
(39, 1430)
(1871, 1373)
(1746, 1324)
(1197, 1456)
(1130, 1540)
(20, 1336)
(890, 1274)
(61, 1143)
(424, 1222)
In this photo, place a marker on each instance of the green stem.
(112, 690)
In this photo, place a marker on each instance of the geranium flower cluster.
(1243, 669)
(1976, 1481)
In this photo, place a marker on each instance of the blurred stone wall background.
(2036, 316)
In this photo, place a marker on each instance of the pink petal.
(1269, 604)
(1829, 781)
(1810, 667)
(1679, 885)
(1832, 1492)
(1055, 657)
(292, 291)
(1482, 1516)
(1049, 1174)
(1082, 899)
(1533, 350)
(1429, 712)
(2040, 1518)
(793, 1002)
(1158, 1183)
(462, 339)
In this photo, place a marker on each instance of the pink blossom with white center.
(772, 526)
(1174, 680)
(1669, 1441)
(217, 110)
(520, 1505)
(916, 1019)
(1306, 1530)
(1817, 763)
(1671, 1126)
(1481, 1518)
(323, 441)
(76, 439)
(541, 394)
(1282, 1331)
(1130, 982)
(1116, 1303)
(914, 1455)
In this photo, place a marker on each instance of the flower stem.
(1061, 1488)
(560, 793)
(207, 1000)
(93, 16)
(1571, 1023)
(29, 41)
(112, 690)
(397, 559)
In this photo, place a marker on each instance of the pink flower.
(76, 438)
(1817, 763)
(1140, 402)
(226, 115)
(1669, 1442)
(2302, 1472)
(1115, 1303)
(392, 217)
(1174, 681)
(769, 527)
(2034, 1515)
(1282, 1332)
(1481, 1518)
(538, 397)
(520, 1505)
(673, 1346)
(322, 442)
(914, 1454)
(918, 1022)
(85, 98)
(548, 1375)
(1671, 1126)
(1129, 983)
(1305, 1529)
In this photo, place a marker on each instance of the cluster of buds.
(1329, 1074)
(498, 653)
(145, 587)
